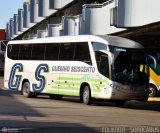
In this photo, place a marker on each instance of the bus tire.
(87, 95)
(26, 90)
(153, 90)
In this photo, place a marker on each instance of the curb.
(2, 88)
(153, 99)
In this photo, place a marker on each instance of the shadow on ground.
(46, 127)
(137, 105)
(13, 108)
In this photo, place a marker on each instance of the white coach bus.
(87, 66)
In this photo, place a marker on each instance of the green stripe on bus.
(55, 87)
(65, 78)
(66, 87)
(52, 91)
(82, 79)
(64, 82)
(66, 93)
(96, 90)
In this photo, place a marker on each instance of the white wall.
(20, 20)
(15, 24)
(44, 8)
(26, 16)
(11, 27)
(41, 34)
(34, 18)
(58, 4)
(8, 31)
(97, 20)
(132, 13)
(71, 25)
(54, 30)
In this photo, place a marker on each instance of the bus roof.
(122, 42)
(109, 40)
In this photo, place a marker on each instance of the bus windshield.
(129, 66)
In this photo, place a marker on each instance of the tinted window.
(102, 63)
(67, 51)
(82, 53)
(3, 45)
(52, 51)
(13, 51)
(99, 46)
(25, 51)
(38, 52)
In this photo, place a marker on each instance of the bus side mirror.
(153, 60)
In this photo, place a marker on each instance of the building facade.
(49, 18)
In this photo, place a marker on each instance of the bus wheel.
(56, 97)
(26, 90)
(87, 95)
(120, 103)
(153, 90)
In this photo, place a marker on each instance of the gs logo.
(14, 79)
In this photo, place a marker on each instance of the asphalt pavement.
(44, 115)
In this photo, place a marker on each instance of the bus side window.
(67, 51)
(38, 52)
(52, 51)
(82, 53)
(102, 63)
(13, 51)
(25, 52)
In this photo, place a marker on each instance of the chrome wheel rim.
(26, 89)
(85, 96)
